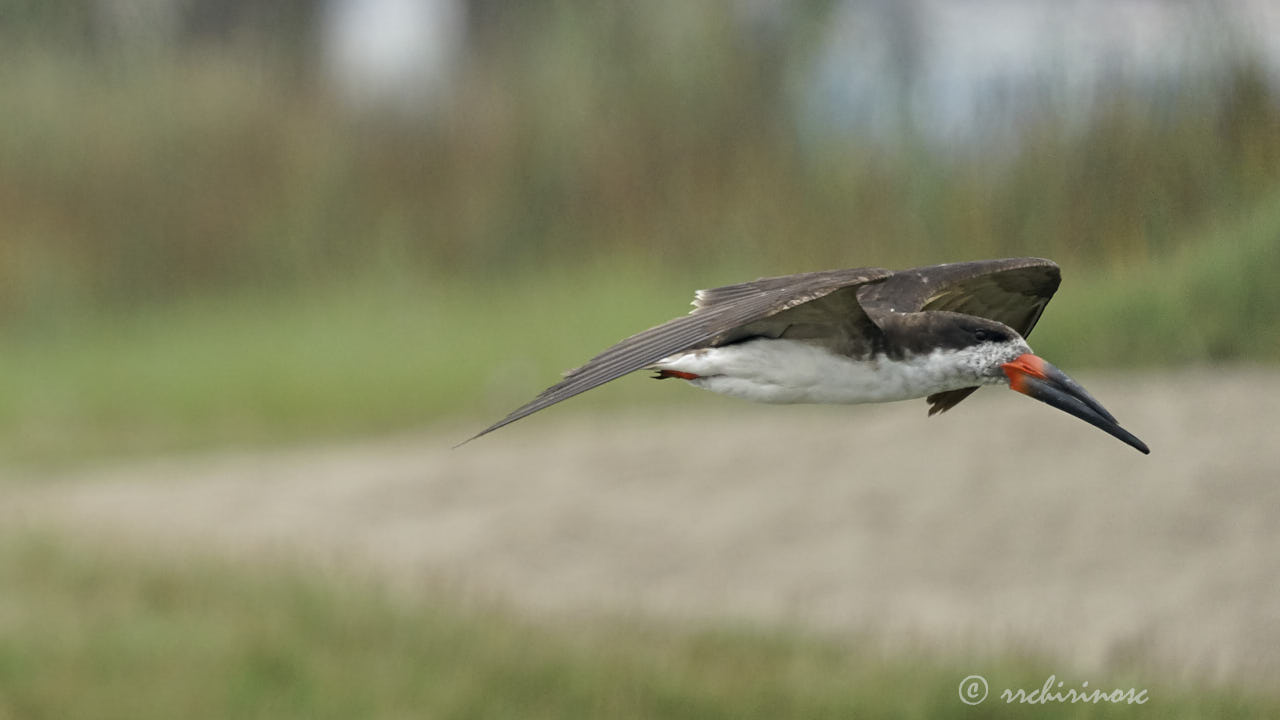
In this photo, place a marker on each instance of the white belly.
(791, 371)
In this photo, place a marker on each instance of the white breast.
(792, 371)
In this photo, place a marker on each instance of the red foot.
(664, 374)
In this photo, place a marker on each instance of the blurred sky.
(399, 53)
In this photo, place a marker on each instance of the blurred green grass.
(370, 355)
(388, 351)
(200, 248)
(92, 633)
(1212, 300)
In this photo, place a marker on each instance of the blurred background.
(296, 250)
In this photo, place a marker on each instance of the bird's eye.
(981, 335)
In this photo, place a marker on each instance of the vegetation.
(88, 634)
(202, 248)
(572, 141)
(201, 253)
(382, 351)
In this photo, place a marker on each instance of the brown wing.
(1012, 291)
(720, 315)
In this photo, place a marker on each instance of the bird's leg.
(664, 374)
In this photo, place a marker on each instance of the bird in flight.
(855, 336)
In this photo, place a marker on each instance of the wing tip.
(518, 414)
(486, 431)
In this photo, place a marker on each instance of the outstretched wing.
(1013, 291)
(720, 315)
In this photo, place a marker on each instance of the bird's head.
(980, 346)
(993, 353)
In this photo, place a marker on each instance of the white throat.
(793, 371)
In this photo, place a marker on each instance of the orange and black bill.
(1031, 375)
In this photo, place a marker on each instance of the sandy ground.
(1001, 524)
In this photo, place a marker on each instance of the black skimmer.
(855, 336)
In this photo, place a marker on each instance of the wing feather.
(718, 313)
(1013, 291)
